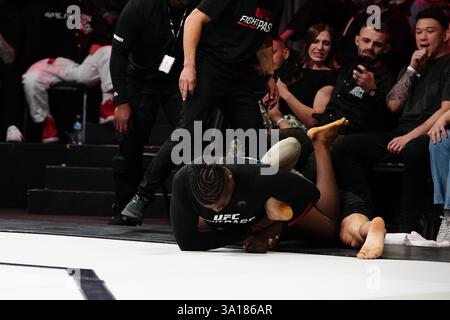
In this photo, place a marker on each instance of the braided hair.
(208, 183)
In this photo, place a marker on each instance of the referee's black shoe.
(134, 210)
(133, 213)
(120, 220)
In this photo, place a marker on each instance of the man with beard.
(361, 87)
(422, 94)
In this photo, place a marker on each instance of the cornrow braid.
(208, 183)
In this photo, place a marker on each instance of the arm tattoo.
(401, 89)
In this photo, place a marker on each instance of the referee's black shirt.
(142, 38)
(238, 28)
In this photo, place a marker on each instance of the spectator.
(48, 72)
(440, 171)
(313, 82)
(422, 94)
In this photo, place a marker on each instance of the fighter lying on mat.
(238, 203)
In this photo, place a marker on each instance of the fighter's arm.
(292, 197)
(297, 192)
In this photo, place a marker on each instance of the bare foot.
(374, 244)
(327, 134)
(277, 210)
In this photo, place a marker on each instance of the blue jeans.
(440, 170)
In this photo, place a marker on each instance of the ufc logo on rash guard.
(262, 21)
(231, 218)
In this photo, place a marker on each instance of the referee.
(221, 38)
(146, 61)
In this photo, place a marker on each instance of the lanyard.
(172, 25)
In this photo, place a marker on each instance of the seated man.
(440, 171)
(423, 93)
(48, 72)
(361, 87)
(239, 203)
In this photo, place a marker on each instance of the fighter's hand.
(438, 130)
(187, 82)
(365, 79)
(272, 92)
(419, 58)
(259, 241)
(122, 116)
(253, 244)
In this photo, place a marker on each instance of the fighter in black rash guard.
(221, 38)
(246, 206)
(233, 199)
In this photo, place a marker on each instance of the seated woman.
(239, 203)
(440, 170)
(313, 83)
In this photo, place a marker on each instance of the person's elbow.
(394, 105)
(188, 246)
(198, 18)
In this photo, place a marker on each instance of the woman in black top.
(312, 86)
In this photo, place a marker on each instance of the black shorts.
(351, 203)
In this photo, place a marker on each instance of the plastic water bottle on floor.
(77, 131)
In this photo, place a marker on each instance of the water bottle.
(77, 131)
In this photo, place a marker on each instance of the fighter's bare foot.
(328, 133)
(374, 244)
(277, 210)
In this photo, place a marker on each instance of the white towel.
(413, 239)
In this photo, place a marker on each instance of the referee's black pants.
(218, 86)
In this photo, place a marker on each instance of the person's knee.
(292, 146)
(439, 148)
(342, 150)
(415, 152)
(32, 81)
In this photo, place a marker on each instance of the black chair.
(65, 87)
